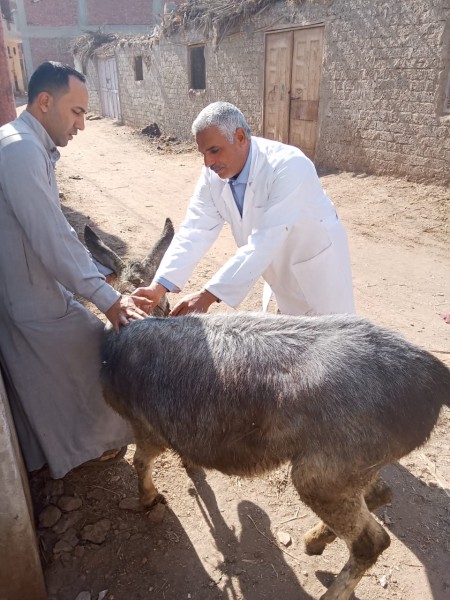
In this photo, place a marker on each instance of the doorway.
(109, 88)
(293, 66)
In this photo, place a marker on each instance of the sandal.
(105, 459)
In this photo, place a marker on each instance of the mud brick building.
(359, 85)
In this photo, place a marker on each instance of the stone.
(96, 533)
(71, 537)
(67, 521)
(284, 538)
(62, 546)
(49, 516)
(69, 503)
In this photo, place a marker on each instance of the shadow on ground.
(194, 550)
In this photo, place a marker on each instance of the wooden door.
(277, 86)
(305, 88)
(109, 88)
(292, 87)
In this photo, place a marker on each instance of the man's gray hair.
(223, 115)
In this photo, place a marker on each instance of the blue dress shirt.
(238, 184)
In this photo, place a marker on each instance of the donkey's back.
(219, 386)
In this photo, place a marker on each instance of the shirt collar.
(243, 175)
(42, 134)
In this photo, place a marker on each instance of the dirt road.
(217, 538)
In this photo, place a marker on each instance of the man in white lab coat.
(285, 226)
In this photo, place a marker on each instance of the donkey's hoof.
(314, 548)
(317, 538)
(158, 499)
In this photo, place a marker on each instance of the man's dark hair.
(51, 77)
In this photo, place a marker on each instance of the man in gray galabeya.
(49, 343)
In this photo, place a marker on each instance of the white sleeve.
(196, 235)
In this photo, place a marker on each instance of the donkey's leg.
(346, 513)
(377, 494)
(365, 539)
(144, 457)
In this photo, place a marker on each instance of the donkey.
(336, 396)
(134, 272)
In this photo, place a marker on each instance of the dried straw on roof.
(85, 46)
(220, 15)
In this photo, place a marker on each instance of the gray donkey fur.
(335, 396)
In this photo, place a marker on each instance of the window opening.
(138, 69)
(197, 67)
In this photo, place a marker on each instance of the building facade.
(358, 85)
(49, 27)
(16, 61)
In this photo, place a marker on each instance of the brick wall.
(57, 49)
(384, 72)
(164, 97)
(51, 13)
(384, 79)
(117, 12)
(52, 21)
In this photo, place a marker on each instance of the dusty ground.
(218, 536)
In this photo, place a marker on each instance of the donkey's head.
(132, 273)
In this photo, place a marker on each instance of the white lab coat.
(289, 233)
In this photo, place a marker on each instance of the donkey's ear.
(101, 252)
(156, 254)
